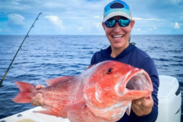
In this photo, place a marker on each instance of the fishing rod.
(27, 35)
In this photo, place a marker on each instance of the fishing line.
(27, 35)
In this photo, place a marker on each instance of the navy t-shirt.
(137, 58)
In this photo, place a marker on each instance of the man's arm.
(148, 107)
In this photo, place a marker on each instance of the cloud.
(138, 29)
(16, 19)
(96, 17)
(176, 1)
(154, 28)
(80, 28)
(176, 25)
(55, 20)
(52, 5)
(150, 19)
(15, 3)
(98, 25)
(0, 30)
(82, 16)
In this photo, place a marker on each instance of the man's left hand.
(142, 106)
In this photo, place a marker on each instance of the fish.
(101, 93)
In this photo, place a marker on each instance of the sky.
(84, 17)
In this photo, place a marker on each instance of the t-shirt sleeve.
(149, 66)
(92, 60)
(96, 58)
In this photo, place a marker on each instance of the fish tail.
(25, 94)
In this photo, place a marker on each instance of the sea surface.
(45, 57)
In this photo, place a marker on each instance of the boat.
(169, 96)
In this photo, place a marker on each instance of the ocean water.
(45, 57)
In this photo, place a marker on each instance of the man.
(118, 24)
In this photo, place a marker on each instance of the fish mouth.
(136, 82)
(139, 81)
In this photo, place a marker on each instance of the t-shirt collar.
(107, 52)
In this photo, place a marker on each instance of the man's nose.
(117, 28)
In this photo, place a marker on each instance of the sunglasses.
(123, 22)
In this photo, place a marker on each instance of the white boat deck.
(31, 116)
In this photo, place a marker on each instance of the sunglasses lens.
(110, 23)
(124, 22)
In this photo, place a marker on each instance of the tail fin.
(25, 94)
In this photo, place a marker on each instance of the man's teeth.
(117, 36)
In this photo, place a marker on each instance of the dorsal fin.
(50, 82)
(89, 67)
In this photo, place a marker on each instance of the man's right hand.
(38, 99)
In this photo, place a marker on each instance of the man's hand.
(142, 106)
(38, 99)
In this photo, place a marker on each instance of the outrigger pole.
(27, 35)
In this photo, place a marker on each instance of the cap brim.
(116, 14)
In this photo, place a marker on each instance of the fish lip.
(140, 78)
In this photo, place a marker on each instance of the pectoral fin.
(50, 111)
(128, 110)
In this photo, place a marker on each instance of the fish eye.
(109, 70)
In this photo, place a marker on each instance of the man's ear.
(132, 23)
(103, 25)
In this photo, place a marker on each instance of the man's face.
(117, 35)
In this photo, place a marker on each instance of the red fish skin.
(58, 97)
(108, 86)
(57, 101)
(89, 94)
(85, 116)
(105, 89)
(76, 110)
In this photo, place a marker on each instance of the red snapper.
(102, 93)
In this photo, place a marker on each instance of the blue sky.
(84, 17)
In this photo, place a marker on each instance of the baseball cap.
(117, 8)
